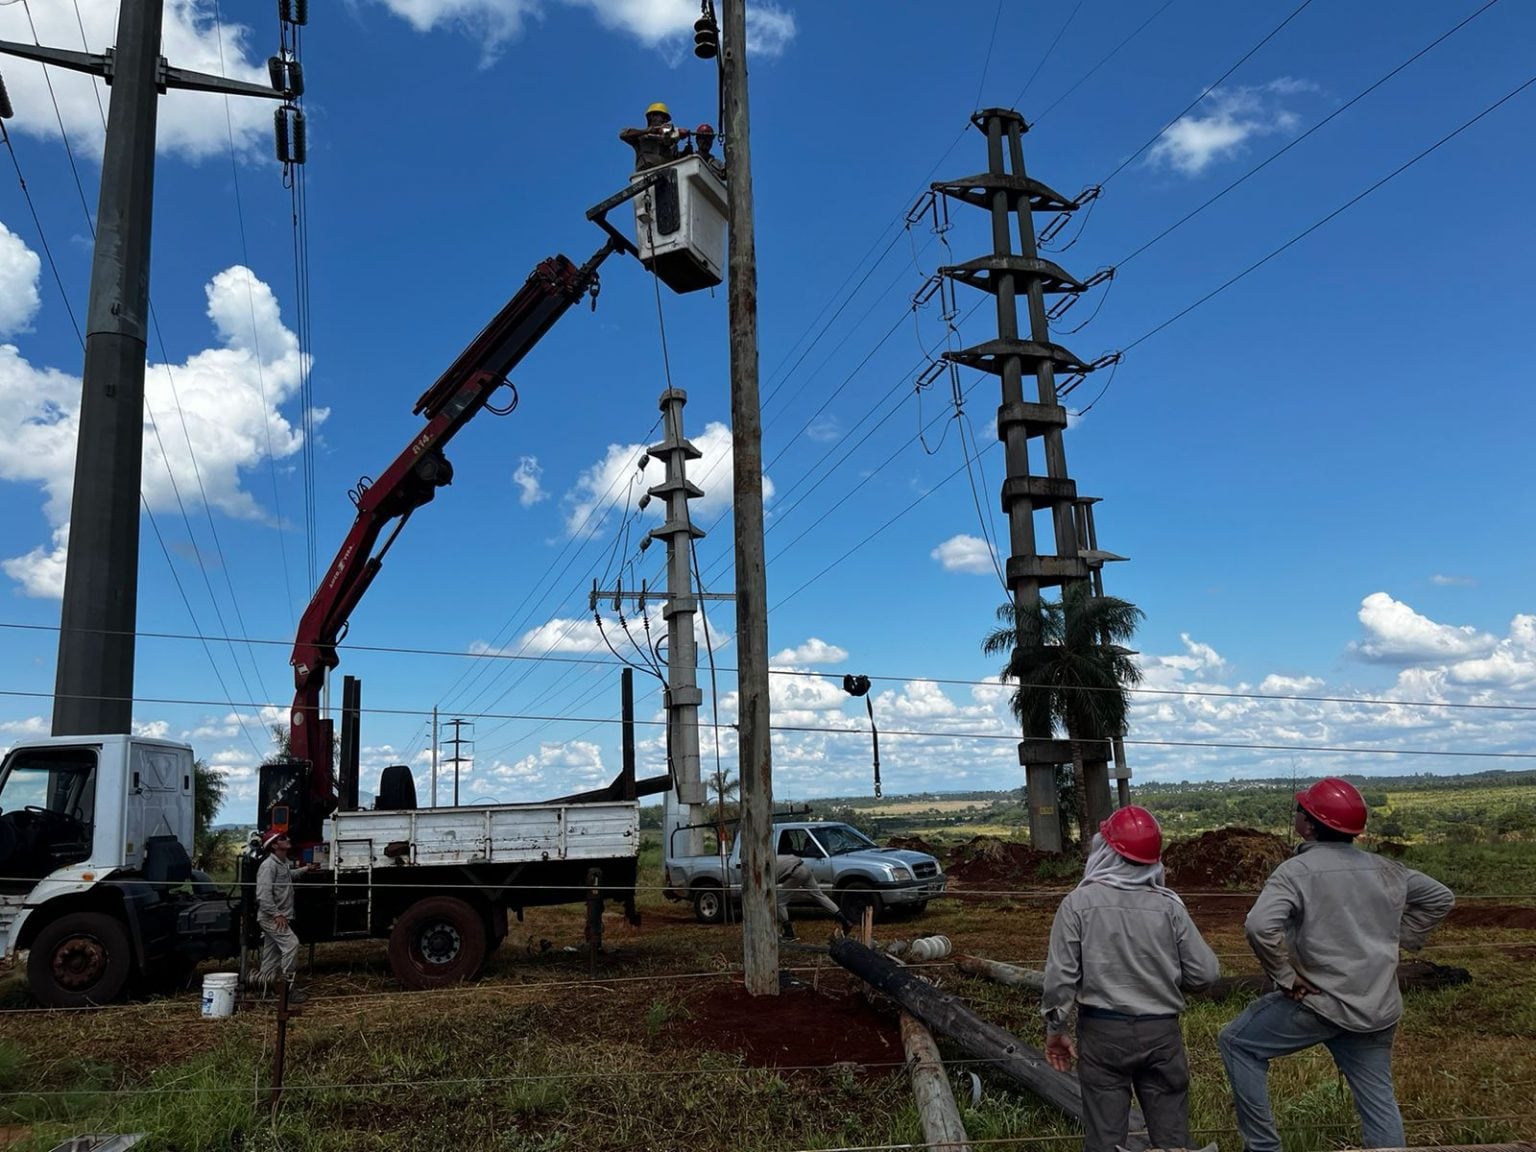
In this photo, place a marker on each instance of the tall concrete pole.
(684, 801)
(760, 943)
(93, 685)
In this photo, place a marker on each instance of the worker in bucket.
(1124, 951)
(659, 142)
(791, 873)
(1326, 928)
(274, 912)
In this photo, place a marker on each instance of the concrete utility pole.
(1006, 190)
(458, 742)
(759, 931)
(433, 804)
(93, 687)
(682, 805)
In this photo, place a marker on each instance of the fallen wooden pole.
(945, 1013)
(943, 1130)
(1009, 974)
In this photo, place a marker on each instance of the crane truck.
(96, 832)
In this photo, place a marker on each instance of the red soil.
(798, 1028)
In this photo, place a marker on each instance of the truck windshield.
(838, 839)
(60, 781)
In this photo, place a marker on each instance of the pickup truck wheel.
(437, 942)
(80, 960)
(854, 897)
(709, 905)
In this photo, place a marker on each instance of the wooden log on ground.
(1009, 974)
(943, 1130)
(946, 1014)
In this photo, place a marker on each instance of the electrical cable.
(1050, 48)
(5, 138)
(1113, 52)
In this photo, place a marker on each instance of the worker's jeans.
(279, 949)
(1275, 1025)
(800, 877)
(1116, 1055)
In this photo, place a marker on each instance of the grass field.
(539, 1056)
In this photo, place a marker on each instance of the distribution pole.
(760, 943)
(683, 696)
(93, 685)
(434, 757)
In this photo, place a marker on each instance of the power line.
(1350, 203)
(885, 678)
(1339, 111)
(5, 138)
(1113, 52)
(1273, 32)
(1050, 48)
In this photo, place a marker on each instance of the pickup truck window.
(837, 839)
(799, 842)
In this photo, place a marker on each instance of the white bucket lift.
(680, 224)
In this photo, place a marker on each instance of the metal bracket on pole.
(166, 77)
(598, 213)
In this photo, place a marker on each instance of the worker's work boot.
(787, 932)
(296, 995)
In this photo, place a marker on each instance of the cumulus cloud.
(217, 414)
(19, 271)
(813, 651)
(1224, 121)
(190, 124)
(964, 553)
(615, 484)
(557, 767)
(527, 476)
(1396, 634)
(663, 24)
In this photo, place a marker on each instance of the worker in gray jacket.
(790, 873)
(1327, 928)
(274, 913)
(1123, 951)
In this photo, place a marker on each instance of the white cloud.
(557, 767)
(19, 272)
(614, 484)
(662, 24)
(1224, 121)
(1444, 581)
(190, 124)
(813, 651)
(964, 553)
(217, 413)
(526, 477)
(1396, 634)
(824, 430)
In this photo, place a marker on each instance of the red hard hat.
(1335, 803)
(272, 838)
(1133, 832)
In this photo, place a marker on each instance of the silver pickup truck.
(850, 866)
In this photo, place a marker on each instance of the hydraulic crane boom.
(409, 482)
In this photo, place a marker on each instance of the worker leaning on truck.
(1124, 950)
(1327, 928)
(274, 912)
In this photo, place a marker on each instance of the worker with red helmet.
(1327, 928)
(1124, 951)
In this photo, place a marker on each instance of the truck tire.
(436, 942)
(397, 790)
(708, 904)
(856, 895)
(80, 960)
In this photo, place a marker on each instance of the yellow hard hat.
(659, 107)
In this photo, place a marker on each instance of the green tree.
(1073, 673)
(212, 851)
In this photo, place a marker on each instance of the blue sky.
(1321, 476)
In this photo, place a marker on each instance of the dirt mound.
(987, 862)
(1224, 858)
(800, 1027)
(915, 844)
(1480, 915)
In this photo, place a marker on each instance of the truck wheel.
(854, 897)
(709, 905)
(80, 960)
(436, 942)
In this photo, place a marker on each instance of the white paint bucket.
(219, 994)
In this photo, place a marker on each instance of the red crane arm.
(409, 482)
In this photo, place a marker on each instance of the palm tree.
(1072, 672)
